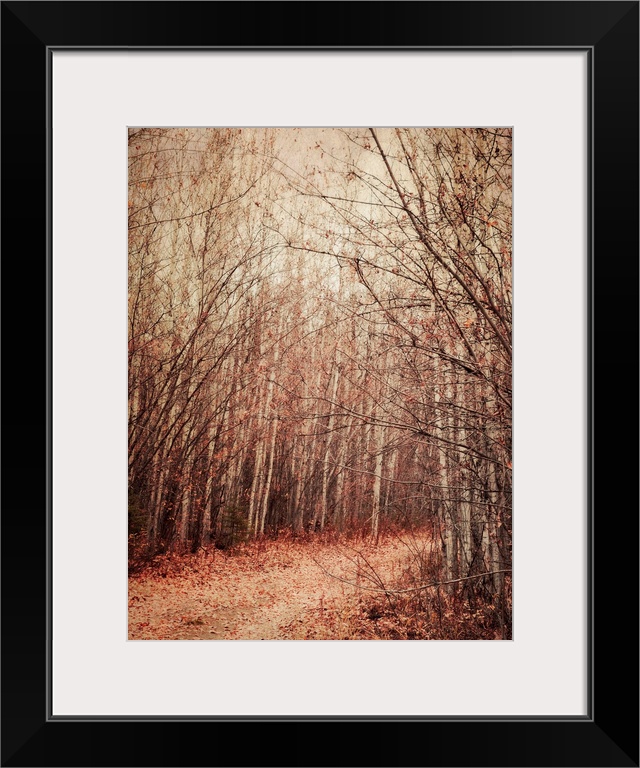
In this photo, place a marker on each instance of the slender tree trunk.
(391, 470)
(270, 413)
(378, 441)
(267, 485)
(445, 513)
(256, 483)
(326, 469)
(462, 494)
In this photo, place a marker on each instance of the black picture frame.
(608, 736)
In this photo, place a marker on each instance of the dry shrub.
(418, 606)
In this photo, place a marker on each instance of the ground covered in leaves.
(296, 589)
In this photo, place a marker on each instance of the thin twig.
(410, 589)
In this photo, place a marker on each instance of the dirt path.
(278, 591)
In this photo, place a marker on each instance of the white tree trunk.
(270, 413)
(326, 469)
(378, 444)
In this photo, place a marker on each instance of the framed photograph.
(357, 232)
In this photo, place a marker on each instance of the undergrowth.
(418, 605)
(410, 602)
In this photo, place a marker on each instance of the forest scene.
(320, 383)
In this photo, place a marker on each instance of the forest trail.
(275, 590)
